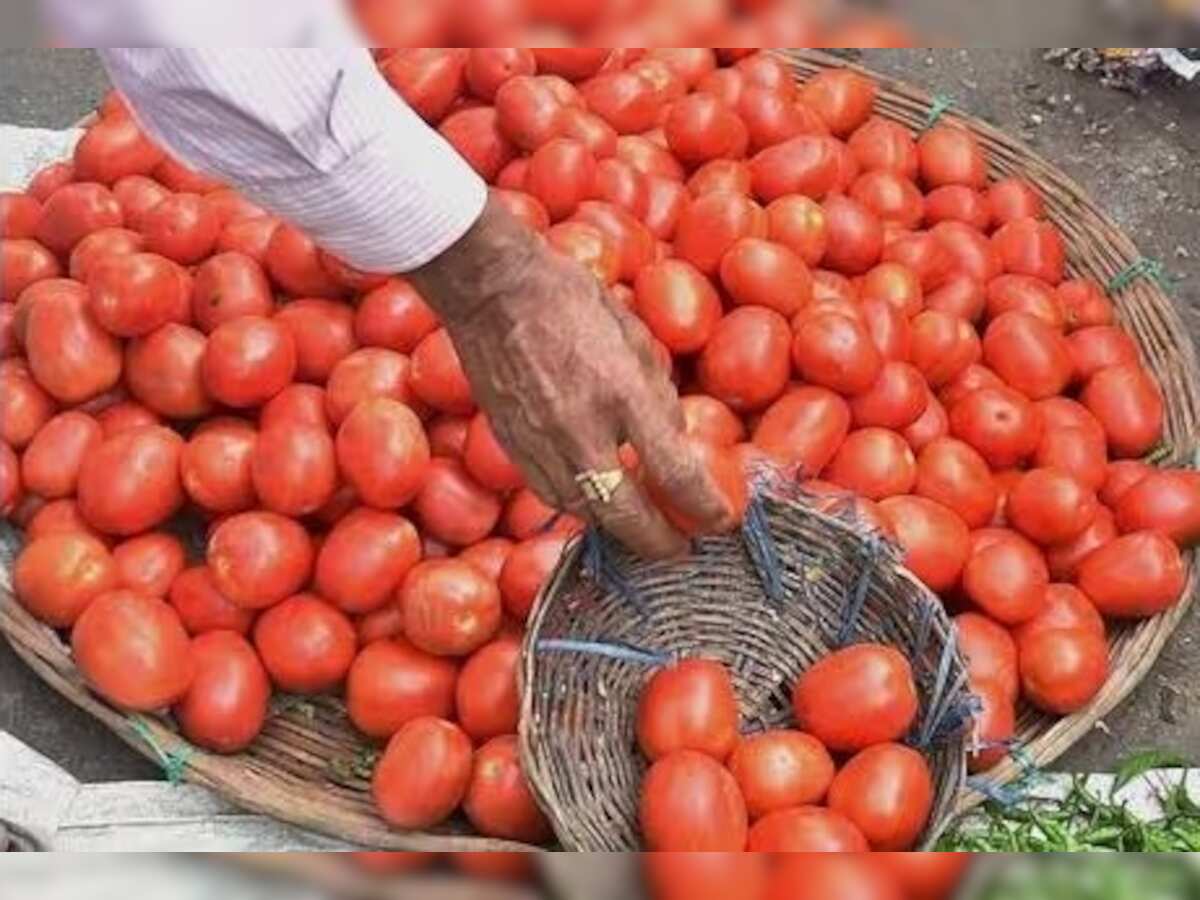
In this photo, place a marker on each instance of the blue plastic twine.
(598, 562)
(760, 544)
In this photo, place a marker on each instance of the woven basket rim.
(1147, 310)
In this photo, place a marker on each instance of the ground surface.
(1140, 157)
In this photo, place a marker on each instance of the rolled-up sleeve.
(317, 137)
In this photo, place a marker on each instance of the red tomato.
(961, 296)
(590, 130)
(934, 423)
(1014, 198)
(164, 371)
(1032, 247)
(926, 876)
(323, 334)
(701, 127)
(486, 459)
(1122, 475)
(1066, 607)
(958, 203)
(49, 179)
(934, 538)
(998, 422)
(19, 215)
(842, 98)
(202, 608)
(133, 651)
(1076, 450)
(968, 251)
(448, 436)
(383, 452)
(225, 707)
(1024, 293)
(1062, 412)
(689, 802)
(989, 648)
(248, 361)
(394, 316)
(1007, 579)
(1063, 669)
(896, 399)
(11, 490)
(720, 175)
(678, 304)
(896, 285)
(429, 79)
(799, 223)
(625, 100)
(23, 263)
(883, 145)
(804, 830)
(1129, 406)
(24, 407)
(778, 770)
(804, 428)
(130, 483)
(951, 155)
(1099, 347)
(710, 420)
(230, 206)
(526, 571)
(476, 135)
(874, 681)
(589, 247)
(366, 374)
(762, 273)
(705, 876)
(807, 164)
(180, 179)
(488, 68)
(837, 352)
(125, 416)
(528, 112)
(423, 774)
(306, 645)
(57, 576)
(133, 294)
(259, 558)
(1084, 304)
(437, 376)
(294, 262)
(1051, 506)
(182, 227)
(392, 683)
(450, 607)
(149, 563)
(887, 792)
(294, 469)
(452, 507)
(772, 116)
(489, 556)
(488, 703)
(855, 236)
(1028, 354)
(98, 245)
(994, 725)
(648, 157)
(572, 63)
(524, 207)
(813, 876)
(1167, 501)
(955, 475)
(526, 515)
(112, 148)
(498, 802)
(50, 465)
(689, 706)
(689, 63)
(890, 197)
(1064, 559)
(250, 237)
(745, 363)
(215, 466)
(137, 195)
(1135, 576)
(74, 211)
(364, 559)
(926, 255)
(666, 201)
(70, 356)
(712, 224)
(875, 463)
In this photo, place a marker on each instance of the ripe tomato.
(773, 116)
(804, 428)
(130, 482)
(799, 223)
(225, 707)
(705, 876)
(526, 516)
(202, 608)
(19, 215)
(1135, 576)
(164, 370)
(259, 558)
(24, 406)
(51, 462)
(896, 399)
(873, 680)
(70, 356)
(896, 285)
(1129, 406)
(215, 466)
(228, 286)
(489, 556)
(23, 263)
(323, 334)
(437, 376)
(678, 305)
(935, 539)
(625, 100)
(177, 177)
(998, 422)
(942, 346)
(572, 63)
(392, 683)
(634, 244)
(11, 490)
(1007, 579)
(294, 469)
(1166, 501)
(689, 63)
(450, 607)
(487, 461)
(958, 203)
(57, 576)
(230, 206)
(113, 148)
(1099, 347)
(778, 770)
(965, 250)
(1066, 607)
(758, 272)
(488, 703)
(294, 263)
(1028, 354)
(1122, 475)
(1031, 247)
(724, 467)
(134, 294)
(952, 473)
(98, 245)
(891, 197)
(951, 155)
(454, 508)
(137, 195)
(383, 452)
(834, 351)
(700, 127)
(875, 463)
(689, 802)
(394, 316)
(306, 645)
(804, 830)
(649, 158)
(1064, 559)
(488, 68)
(855, 236)
(842, 98)
(50, 178)
(745, 363)
(74, 211)
(248, 360)
(961, 296)
(589, 129)
(498, 801)
(1024, 293)
(370, 373)
(1063, 669)
(689, 706)
(808, 164)
(1014, 198)
(448, 436)
(666, 201)
(429, 79)
(1051, 506)
(528, 112)
(1084, 304)
(813, 876)
(887, 792)
(182, 227)
(149, 563)
(712, 224)
(423, 774)
(711, 421)
(589, 247)
(990, 651)
(526, 570)
(926, 876)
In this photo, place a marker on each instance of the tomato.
(689, 63)
(1064, 559)
(248, 361)
(51, 462)
(955, 475)
(294, 469)
(101, 244)
(487, 461)
(306, 645)
(798, 223)
(50, 178)
(648, 157)
(807, 164)
(745, 363)
(772, 117)
(805, 830)
(489, 68)
(1076, 450)
(1135, 576)
(202, 608)
(216, 466)
(689, 706)
(855, 236)
(24, 407)
(133, 651)
(137, 195)
(70, 356)
(526, 571)
(383, 452)
(710, 420)
(896, 399)
(437, 375)
(1122, 475)
(1014, 198)
(896, 285)
(813, 876)
(133, 294)
(666, 201)
(758, 272)
(1063, 412)
(720, 175)
(250, 237)
(990, 651)
(230, 206)
(875, 463)
(177, 177)
(23, 263)
(998, 422)
(225, 707)
(450, 607)
(1007, 579)
(182, 227)
(712, 224)
(370, 373)
(958, 203)
(423, 774)
(526, 516)
(113, 148)
(887, 792)
(523, 207)
(57, 576)
(572, 63)
(590, 130)
(448, 436)
(705, 876)
(259, 558)
(1165, 501)
(489, 556)
(1031, 247)
(294, 263)
(951, 155)
(1098, 347)
(968, 251)
(625, 100)
(777, 770)
(498, 801)
(926, 255)
(700, 127)
(392, 683)
(1028, 354)
(528, 113)
(934, 538)
(1084, 304)
(960, 296)
(149, 563)
(74, 211)
(678, 304)
(589, 247)
(19, 215)
(874, 681)
(620, 185)
(323, 334)
(891, 197)
(130, 482)
(842, 98)
(1063, 669)
(836, 352)
(1067, 607)
(971, 379)
(454, 508)
(488, 702)
(1051, 506)
(228, 286)
(934, 423)
(926, 876)
(429, 79)
(1024, 293)
(1129, 406)
(689, 802)
(883, 145)
(164, 370)
(11, 490)
(804, 428)
(394, 317)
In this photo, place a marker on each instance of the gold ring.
(600, 487)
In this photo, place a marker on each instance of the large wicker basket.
(310, 769)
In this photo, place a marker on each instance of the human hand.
(566, 376)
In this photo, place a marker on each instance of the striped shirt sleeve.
(314, 135)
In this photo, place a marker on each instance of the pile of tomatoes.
(709, 789)
(831, 292)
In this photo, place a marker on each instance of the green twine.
(1144, 267)
(174, 762)
(942, 103)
